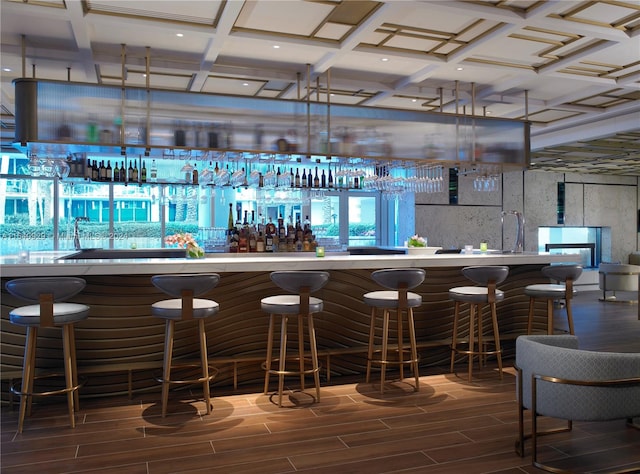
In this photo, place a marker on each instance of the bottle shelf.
(157, 123)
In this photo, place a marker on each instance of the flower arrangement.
(185, 240)
(416, 241)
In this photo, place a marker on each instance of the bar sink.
(112, 254)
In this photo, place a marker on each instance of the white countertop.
(46, 263)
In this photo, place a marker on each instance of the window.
(40, 213)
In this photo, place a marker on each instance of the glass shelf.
(111, 120)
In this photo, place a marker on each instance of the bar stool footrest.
(14, 388)
(394, 362)
(307, 361)
(476, 352)
(213, 372)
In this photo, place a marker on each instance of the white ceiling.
(571, 67)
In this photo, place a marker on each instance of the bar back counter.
(121, 344)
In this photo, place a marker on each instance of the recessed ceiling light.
(245, 84)
(276, 46)
(179, 35)
(414, 100)
(6, 69)
(384, 59)
(459, 68)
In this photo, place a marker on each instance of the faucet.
(76, 234)
(519, 245)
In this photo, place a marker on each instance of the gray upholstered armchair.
(557, 380)
(614, 277)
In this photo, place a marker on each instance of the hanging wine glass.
(222, 177)
(254, 178)
(47, 168)
(62, 168)
(237, 178)
(34, 166)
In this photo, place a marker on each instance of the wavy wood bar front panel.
(121, 334)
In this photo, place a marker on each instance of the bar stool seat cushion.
(63, 313)
(389, 299)
(473, 294)
(548, 290)
(172, 309)
(288, 304)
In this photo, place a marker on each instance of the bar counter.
(120, 344)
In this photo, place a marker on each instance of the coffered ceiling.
(571, 67)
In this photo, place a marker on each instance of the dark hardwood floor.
(449, 426)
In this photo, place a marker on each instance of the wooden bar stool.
(185, 288)
(51, 310)
(396, 298)
(567, 274)
(477, 296)
(303, 306)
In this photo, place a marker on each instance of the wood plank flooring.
(449, 426)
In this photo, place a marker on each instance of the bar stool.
(185, 288)
(477, 296)
(397, 298)
(567, 274)
(51, 310)
(303, 306)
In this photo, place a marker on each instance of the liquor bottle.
(270, 230)
(134, 177)
(330, 182)
(116, 172)
(304, 178)
(102, 172)
(130, 172)
(260, 245)
(123, 172)
(153, 172)
(243, 240)
(297, 178)
(92, 129)
(231, 231)
(213, 137)
(143, 173)
(142, 132)
(316, 179)
(228, 135)
(109, 171)
(194, 174)
(88, 170)
(179, 136)
(309, 179)
(230, 219)
(268, 243)
(282, 230)
(253, 242)
(323, 180)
